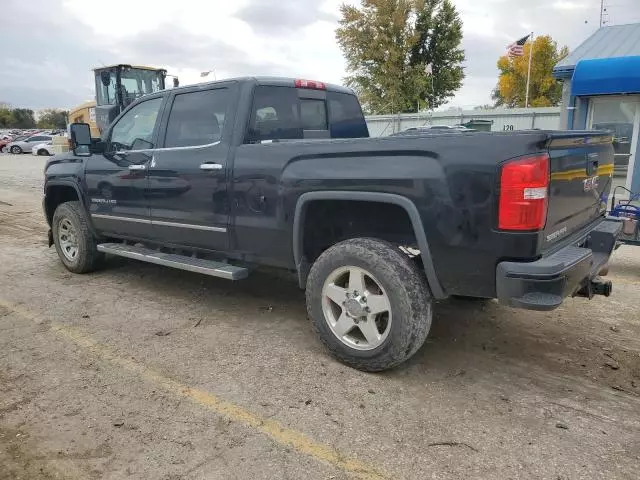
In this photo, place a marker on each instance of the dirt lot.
(138, 371)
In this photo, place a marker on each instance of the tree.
(6, 118)
(544, 91)
(53, 119)
(389, 46)
(23, 118)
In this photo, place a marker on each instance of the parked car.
(4, 143)
(42, 149)
(376, 230)
(25, 146)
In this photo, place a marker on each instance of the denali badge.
(590, 183)
(554, 235)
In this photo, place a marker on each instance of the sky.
(48, 47)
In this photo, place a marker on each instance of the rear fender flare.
(302, 264)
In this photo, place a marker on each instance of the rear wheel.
(75, 244)
(16, 150)
(369, 303)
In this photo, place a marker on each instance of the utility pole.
(603, 9)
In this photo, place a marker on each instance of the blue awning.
(606, 76)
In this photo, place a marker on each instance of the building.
(497, 120)
(601, 90)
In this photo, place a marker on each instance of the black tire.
(88, 257)
(406, 288)
(42, 152)
(16, 150)
(2, 149)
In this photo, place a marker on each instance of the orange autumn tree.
(544, 91)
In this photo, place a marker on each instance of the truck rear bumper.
(572, 270)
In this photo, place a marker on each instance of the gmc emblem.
(590, 183)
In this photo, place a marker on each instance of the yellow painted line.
(272, 428)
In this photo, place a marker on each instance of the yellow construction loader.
(116, 87)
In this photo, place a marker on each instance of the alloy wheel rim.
(68, 239)
(356, 308)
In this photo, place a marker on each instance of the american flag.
(516, 49)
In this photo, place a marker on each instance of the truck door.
(187, 178)
(117, 179)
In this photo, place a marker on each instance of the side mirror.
(80, 135)
(176, 82)
(105, 77)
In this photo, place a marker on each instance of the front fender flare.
(302, 264)
(81, 199)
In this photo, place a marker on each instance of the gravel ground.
(138, 371)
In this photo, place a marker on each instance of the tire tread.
(89, 257)
(414, 313)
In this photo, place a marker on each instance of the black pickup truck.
(223, 177)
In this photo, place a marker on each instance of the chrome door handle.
(137, 167)
(210, 166)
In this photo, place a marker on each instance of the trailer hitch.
(595, 286)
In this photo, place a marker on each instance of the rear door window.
(197, 118)
(345, 116)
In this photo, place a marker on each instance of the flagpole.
(526, 101)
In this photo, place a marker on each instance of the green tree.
(544, 91)
(23, 118)
(52, 118)
(390, 45)
(6, 118)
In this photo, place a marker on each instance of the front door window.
(135, 130)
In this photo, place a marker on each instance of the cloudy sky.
(48, 47)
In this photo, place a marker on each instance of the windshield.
(135, 83)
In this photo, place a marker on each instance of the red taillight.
(311, 84)
(524, 186)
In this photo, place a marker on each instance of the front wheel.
(369, 303)
(75, 244)
(16, 150)
(42, 152)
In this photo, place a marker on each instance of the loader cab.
(119, 85)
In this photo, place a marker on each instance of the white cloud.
(564, 5)
(276, 37)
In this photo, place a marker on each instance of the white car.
(42, 149)
(24, 146)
